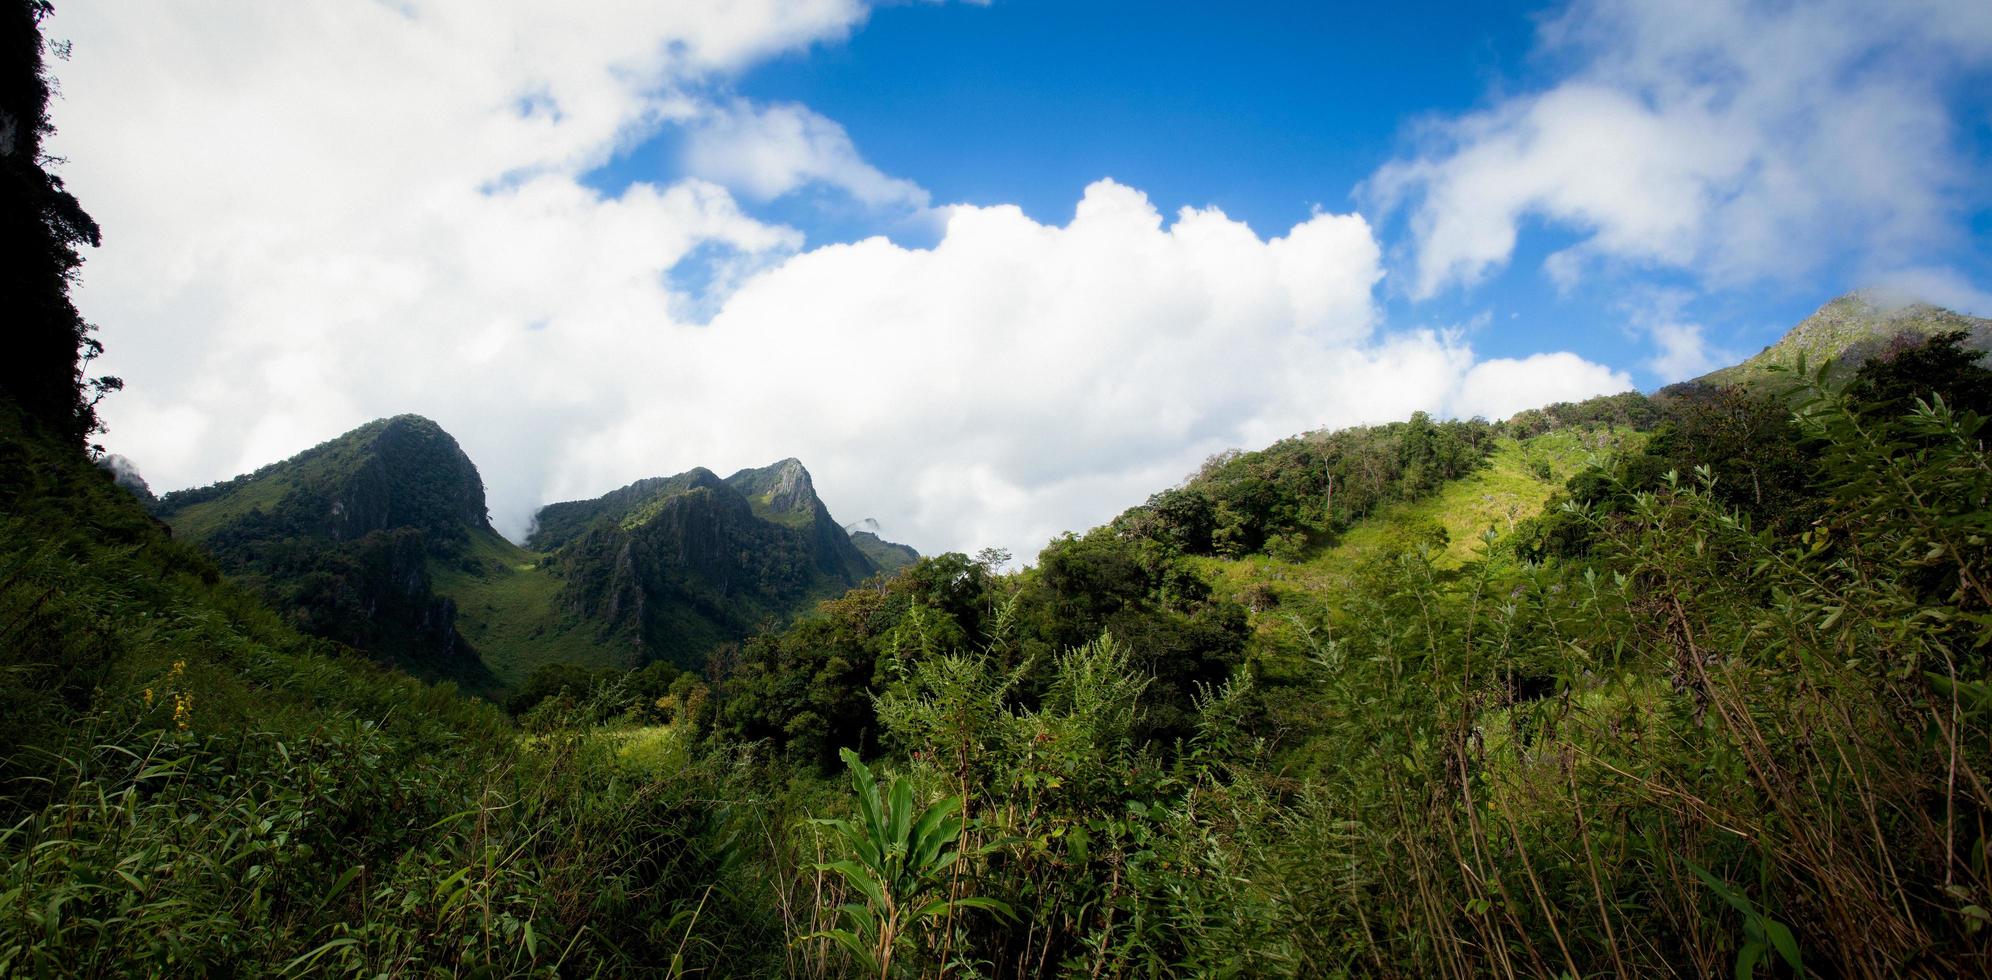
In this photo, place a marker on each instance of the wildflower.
(183, 710)
(148, 697)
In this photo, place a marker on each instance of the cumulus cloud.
(338, 212)
(1498, 388)
(1733, 139)
(1683, 351)
(768, 151)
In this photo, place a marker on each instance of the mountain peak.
(1851, 328)
(402, 471)
(779, 488)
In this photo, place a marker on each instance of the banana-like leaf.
(866, 787)
(856, 874)
(901, 811)
(862, 915)
(932, 831)
(851, 943)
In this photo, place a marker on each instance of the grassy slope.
(1504, 491)
(509, 609)
(190, 787)
(93, 590)
(759, 503)
(202, 520)
(326, 464)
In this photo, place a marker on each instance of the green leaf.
(1721, 888)
(1786, 944)
(851, 943)
(988, 905)
(934, 831)
(901, 811)
(312, 957)
(861, 915)
(1746, 960)
(339, 884)
(855, 873)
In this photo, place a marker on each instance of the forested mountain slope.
(1689, 685)
(1709, 694)
(342, 537)
(670, 567)
(379, 539)
(1709, 698)
(190, 787)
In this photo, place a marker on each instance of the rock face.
(779, 490)
(684, 562)
(1851, 329)
(341, 538)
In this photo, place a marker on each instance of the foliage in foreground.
(188, 787)
(1652, 732)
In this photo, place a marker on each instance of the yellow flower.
(148, 697)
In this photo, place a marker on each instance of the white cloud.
(1944, 287)
(1683, 351)
(1733, 139)
(338, 212)
(769, 151)
(1498, 388)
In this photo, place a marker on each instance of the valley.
(1248, 671)
(1498, 663)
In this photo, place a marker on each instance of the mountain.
(889, 556)
(668, 567)
(1850, 330)
(379, 539)
(342, 538)
(784, 494)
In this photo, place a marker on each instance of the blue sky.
(992, 271)
(1266, 113)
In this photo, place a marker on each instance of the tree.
(1911, 367)
(41, 225)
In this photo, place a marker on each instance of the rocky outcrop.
(687, 561)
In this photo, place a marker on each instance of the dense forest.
(1684, 685)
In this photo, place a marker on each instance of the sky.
(993, 271)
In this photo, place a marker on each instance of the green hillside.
(191, 787)
(379, 539)
(1395, 700)
(508, 605)
(887, 556)
(781, 492)
(398, 472)
(557, 524)
(343, 537)
(1851, 329)
(668, 569)
(1460, 522)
